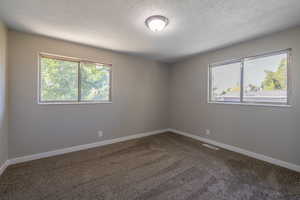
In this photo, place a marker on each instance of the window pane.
(58, 80)
(265, 79)
(95, 82)
(225, 82)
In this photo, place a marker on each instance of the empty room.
(149, 100)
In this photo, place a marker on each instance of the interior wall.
(148, 96)
(139, 96)
(3, 96)
(270, 131)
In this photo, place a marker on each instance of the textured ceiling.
(195, 25)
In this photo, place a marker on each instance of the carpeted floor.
(165, 166)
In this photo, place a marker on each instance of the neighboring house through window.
(259, 79)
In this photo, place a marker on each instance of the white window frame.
(242, 61)
(79, 61)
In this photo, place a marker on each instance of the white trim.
(121, 139)
(258, 156)
(73, 102)
(4, 166)
(81, 147)
(251, 104)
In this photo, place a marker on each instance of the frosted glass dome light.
(156, 23)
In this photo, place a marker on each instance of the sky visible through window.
(226, 76)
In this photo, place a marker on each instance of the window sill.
(253, 104)
(74, 103)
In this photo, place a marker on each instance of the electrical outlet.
(100, 134)
(207, 132)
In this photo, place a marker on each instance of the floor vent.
(211, 147)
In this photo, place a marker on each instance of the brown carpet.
(165, 166)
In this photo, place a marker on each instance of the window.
(226, 82)
(259, 79)
(71, 80)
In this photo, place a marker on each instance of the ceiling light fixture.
(156, 23)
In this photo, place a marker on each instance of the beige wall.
(270, 131)
(139, 96)
(3, 96)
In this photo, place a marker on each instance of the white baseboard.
(3, 167)
(81, 147)
(258, 156)
(268, 159)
